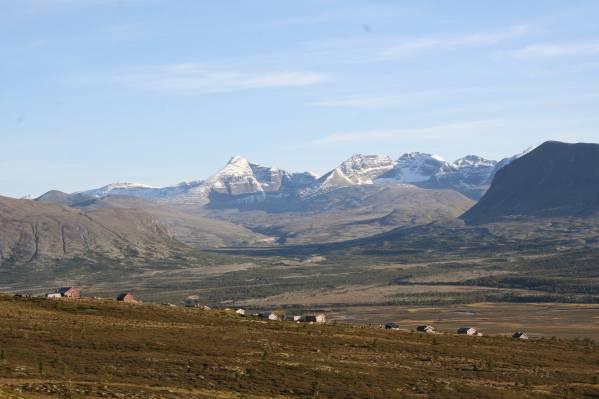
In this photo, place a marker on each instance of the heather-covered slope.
(116, 350)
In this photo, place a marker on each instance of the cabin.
(469, 331)
(126, 297)
(240, 312)
(319, 318)
(426, 329)
(269, 316)
(520, 335)
(272, 316)
(70, 292)
(65, 292)
(391, 326)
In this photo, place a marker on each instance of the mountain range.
(242, 183)
(246, 204)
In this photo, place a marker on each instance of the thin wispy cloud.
(554, 50)
(202, 79)
(440, 131)
(453, 42)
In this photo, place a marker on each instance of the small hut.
(520, 335)
(391, 326)
(426, 329)
(273, 316)
(126, 297)
(468, 331)
(240, 312)
(70, 292)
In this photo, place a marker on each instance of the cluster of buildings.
(319, 318)
(471, 331)
(75, 293)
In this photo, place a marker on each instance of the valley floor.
(92, 348)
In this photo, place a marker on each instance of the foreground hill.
(146, 351)
(555, 179)
(33, 232)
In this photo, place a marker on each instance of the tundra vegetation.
(93, 348)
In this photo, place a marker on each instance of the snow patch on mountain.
(416, 167)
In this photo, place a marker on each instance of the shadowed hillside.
(555, 179)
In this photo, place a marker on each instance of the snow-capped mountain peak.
(242, 180)
(363, 169)
(474, 161)
(120, 188)
(416, 167)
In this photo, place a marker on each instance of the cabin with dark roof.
(469, 331)
(126, 297)
(391, 326)
(69, 292)
(520, 335)
(426, 329)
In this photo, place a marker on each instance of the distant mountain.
(555, 179)
(32, 231)
(359, 169)
(417, 167)
(60, 198)
(470, 175)
(245, 185)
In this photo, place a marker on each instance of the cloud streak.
(452, 42)
(203, 79)
(557, 50)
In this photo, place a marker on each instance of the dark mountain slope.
(555, 179)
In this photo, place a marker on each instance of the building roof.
(122, 296)
(423, 327)
(64, 290)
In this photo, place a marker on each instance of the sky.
(164, 91)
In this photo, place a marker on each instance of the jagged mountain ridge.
(243, 182)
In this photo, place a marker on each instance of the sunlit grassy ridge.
(105, 349)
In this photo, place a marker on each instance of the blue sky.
(158, 92)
